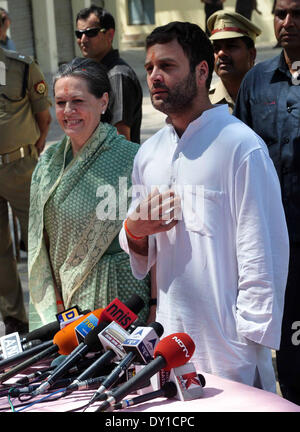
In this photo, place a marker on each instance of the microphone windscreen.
(66, 338)
(135, 303)
(169, 389)
(177, 349)
(43, 333)
(47, 331)
(92, 339)
(157, 327)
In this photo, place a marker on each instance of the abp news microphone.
(173, 351)
(138, 347)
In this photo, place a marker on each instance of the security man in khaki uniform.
(24, 124)
(233, 37)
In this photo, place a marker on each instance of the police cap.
(225, 25)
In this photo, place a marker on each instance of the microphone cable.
(24, 398)
(26, 405)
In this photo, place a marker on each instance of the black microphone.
(111, 338)
(91, 343)
(9, 362)
(140, 346)
(172, 351)
(29, 343)
(86, 385)
(44, 333)
(168, 390)
(48, 331)
(24, 345)
(113, 311)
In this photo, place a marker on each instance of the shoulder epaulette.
(18, 56)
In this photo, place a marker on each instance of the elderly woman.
(74, 256)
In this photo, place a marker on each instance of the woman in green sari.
(74, 257)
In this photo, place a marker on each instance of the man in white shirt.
(207, 212)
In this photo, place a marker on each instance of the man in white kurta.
(221, 269)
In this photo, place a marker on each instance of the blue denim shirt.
(269, 102)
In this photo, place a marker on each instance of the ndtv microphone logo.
(181, 344)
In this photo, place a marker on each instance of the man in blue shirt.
(269, 102)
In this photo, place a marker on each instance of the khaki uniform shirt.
(219, 95)
(23, 93)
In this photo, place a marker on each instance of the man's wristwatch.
(153, 302)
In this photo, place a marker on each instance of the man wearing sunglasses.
(269, 102)
(95, 33)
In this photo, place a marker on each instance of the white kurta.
(222, 270)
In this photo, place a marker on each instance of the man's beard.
(179, 98)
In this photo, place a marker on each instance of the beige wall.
(188, 10)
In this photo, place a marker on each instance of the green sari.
(84, 258)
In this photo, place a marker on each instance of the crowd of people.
(210, 240)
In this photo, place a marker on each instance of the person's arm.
(43, 120)
(125, 102)
(262, 249)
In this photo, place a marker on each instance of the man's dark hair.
(93, 73)
(193, 40)
(106, 20)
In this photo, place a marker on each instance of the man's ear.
(110, 34)
(202, 72)
(252, 52)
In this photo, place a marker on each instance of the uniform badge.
(40, 87)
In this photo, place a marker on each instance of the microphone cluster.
(109, 350)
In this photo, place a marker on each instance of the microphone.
(91, 340)
(139, 347)
(64, 342)
(86, 385)
(173, 351)
(43, 333)
(123, 313)
(188, 382)
(30, 341)
(91, 343)
(10, 361)
(168, 390)
(11, 345)
(111, 338)
(48, 331)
